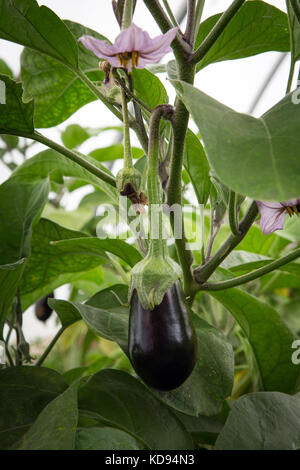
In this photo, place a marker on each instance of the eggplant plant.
(180, 331)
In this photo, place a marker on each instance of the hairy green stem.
(198, 15)
(216, 31)
(189, 34)
(127, 14)
(237, 281)
(170, 13)
(40, 361)
(127, 147)
(202, 273)
(232, 213)
(174, 190)
(179, 45)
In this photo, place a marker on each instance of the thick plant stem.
(189, 34)
(237, 281)
(232, 213)
(198, 15)
(69, 154)
(216, 31)
(50, 346)
(157, 247)
(170, 13)
(127, 147)
(202, 273)
(180, 124)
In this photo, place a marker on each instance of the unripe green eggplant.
(162, 341)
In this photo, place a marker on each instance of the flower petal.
(100, 48)
(160, 45)
(272, 216)
(132, 39)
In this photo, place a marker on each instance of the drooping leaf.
(10, 275)
(93, 246)
(37, 27)
(195, 163)
(106, 439)
(125, 403)
(249, 155)
(24, 392)
(257, 27)
(5, 69)
(48, 266)
(57, 91)
(114, 152)
(149, 88)
(49, 161)
(262, 421)
(267, 334)
(15, 114)
(55, 427)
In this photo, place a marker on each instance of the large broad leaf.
(55, 427)
(93, 246)
(57, 91)
(268, 336)
(10, 275)
(106, 439)
(15, 114)
(195, 163)
(262, 421)
(114, 152)
(210, 382)
(249, 155)
(20, 204)
(149, 88)
(24, 392)
(28, 24)
(49, 161)
(122, 401)
(257, 27)
(74, 135)
(50, 267)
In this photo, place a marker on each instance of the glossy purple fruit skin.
(162, 342)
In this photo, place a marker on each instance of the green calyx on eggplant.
(162, 341)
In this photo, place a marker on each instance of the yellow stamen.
(119, 59)
(295, 210)
(134, 58)
(290, 211)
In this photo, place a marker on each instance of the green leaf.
(93, 246)
(149, 88)
(109, 324)
(106, 439)
(20, 205)
(37, 27)
(24, 392)
(74, 135)
(257, 27)
(5, 69)
(56, 89)
(55, 427)
(48, 266)
(10, 275)
(294, 33)
(211, 381)
(267, 334)
(15, 114)
(49, 161)
(114, 152)
(195, 163)
(122, 401)
(249, 155)
(262, 421)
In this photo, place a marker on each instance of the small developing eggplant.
(42, 310)
(162, 341)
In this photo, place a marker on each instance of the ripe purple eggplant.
(162, 341)
(42, 310)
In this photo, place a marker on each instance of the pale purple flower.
(132, 48)
(273, 214)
